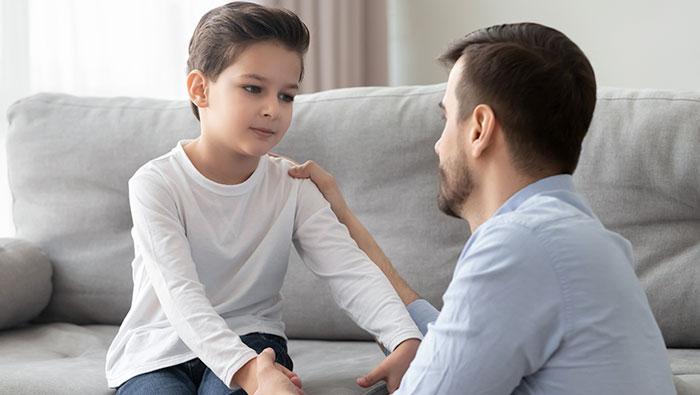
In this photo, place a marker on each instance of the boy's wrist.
(246, 377)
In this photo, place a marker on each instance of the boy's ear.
(197, 88)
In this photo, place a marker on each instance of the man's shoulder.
(545, 214)
(540, 229)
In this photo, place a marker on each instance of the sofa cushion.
(378, 142)
(25, 282)
(640, 171)
(44, 358)
(69, 160)
(60, 358)
(55, 358)
(685, 364)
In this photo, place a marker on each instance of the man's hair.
(225, 32)
(539, 84)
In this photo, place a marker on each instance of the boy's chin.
(257, 150)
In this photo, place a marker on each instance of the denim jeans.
(193, 377)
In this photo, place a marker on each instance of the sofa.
(65, 278)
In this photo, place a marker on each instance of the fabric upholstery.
(61, 358)
(25, 282)
(639, 169)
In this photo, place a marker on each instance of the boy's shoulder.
(278, 163)
(278, 167)
(154, 170)
(307, 190)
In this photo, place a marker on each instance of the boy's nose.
(271, 108)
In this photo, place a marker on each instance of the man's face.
(456, 183)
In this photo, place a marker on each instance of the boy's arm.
(331, 192)
(357, 285)
(161, 243)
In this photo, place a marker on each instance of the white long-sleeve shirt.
(210, 260)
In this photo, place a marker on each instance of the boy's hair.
(539, 84)
(225, 32)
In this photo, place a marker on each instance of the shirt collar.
(554, 183)
(560, 182)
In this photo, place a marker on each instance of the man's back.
(544, 300)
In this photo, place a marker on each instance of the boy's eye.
(286, 98)
(252, 88)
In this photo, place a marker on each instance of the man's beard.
(455, 190)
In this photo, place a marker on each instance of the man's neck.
(488, 197)
(218, 163)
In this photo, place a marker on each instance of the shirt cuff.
(403, 336)
(236, 366)
(422, 313)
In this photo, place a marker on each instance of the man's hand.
(325, 182)
(393, 367)
(264, 373)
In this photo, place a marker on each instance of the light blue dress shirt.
(544, 300)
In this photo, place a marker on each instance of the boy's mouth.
(263, 131)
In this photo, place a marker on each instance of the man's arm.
(502, 319)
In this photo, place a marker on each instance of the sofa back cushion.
(640, 171)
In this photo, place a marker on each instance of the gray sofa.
(65, 280)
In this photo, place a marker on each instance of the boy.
(213, 220)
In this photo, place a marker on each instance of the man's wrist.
(341, 210)
(406, 293)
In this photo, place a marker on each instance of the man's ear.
(197, 88)
(481, 130)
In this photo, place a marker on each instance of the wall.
(634, 44)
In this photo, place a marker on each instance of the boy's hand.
(248, 377)
(393, 367)
(271, 379)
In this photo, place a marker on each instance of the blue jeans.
(193, 377)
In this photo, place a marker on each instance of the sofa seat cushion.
(55, 358)
(61, 358)
(685, 364)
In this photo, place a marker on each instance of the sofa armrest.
(25, 282)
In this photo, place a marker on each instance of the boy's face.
(249, 107)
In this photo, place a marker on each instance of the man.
(544, 299)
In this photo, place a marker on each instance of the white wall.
(631, 43)
(13, 84)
